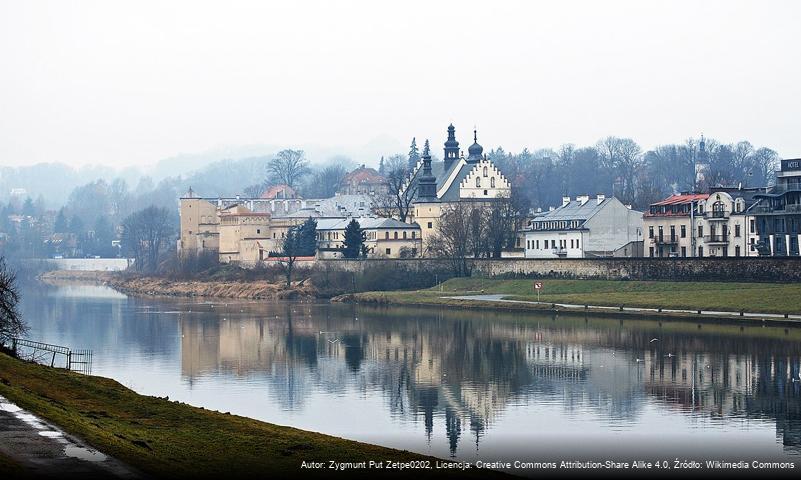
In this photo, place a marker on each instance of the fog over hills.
(221, 171)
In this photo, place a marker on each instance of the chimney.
(582, 199)
(565, 201)
(601, 198)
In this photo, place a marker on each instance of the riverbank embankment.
(161, 286)
(778, 303)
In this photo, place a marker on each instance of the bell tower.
(451, 148)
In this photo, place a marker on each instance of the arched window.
(404, 234)
(478, 181)
(492, 182)
(485, 171)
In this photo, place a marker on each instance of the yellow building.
(385, 237)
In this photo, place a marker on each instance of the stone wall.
(730, 269)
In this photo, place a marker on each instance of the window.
(538, 244)
(386, 235)
(395, 234)
(258, 230)
(650, 251)
(492, 182)
(737, 251)
(672, 232)
(683, 251)
(429, 224)
(752, 226)
(651, 232)
(414, 235)
(700, 232)
(485, 171)
(700, 251)
(404, 234)
(737, 232)
(683, 231)
(389, 250)
(478, 181)
(485, 192)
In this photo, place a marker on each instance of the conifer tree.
(354, 240)
(414, 154)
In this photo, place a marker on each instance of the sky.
(130, 83)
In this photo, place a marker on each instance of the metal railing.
(40, 352)
(716, 238)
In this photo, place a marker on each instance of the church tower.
(475, 151)
(702, 166)
(451, 148)
(427, 184)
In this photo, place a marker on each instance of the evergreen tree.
(61, 223)
(354, 240)
(28, 209)
(414, 154)
(76, 225)
(381, 168)
(306, 238)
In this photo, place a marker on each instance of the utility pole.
(692, 228)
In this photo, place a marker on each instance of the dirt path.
(46, 451)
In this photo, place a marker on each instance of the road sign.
(538, 287)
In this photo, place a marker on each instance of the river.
(450, 383)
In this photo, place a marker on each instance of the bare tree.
(145, 236)
(454, 238)
(326, 181)
(505, 218)
(765, 161)
(401, 190)
(622, 157)
(288, 167)
(11, 322)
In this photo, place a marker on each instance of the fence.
(76, 360)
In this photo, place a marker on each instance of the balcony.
(716, 239)
(719, 215)
(665, 240)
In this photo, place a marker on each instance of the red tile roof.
(363, 175)
(279, 191)
(680, 199)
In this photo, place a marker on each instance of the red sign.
(537, 285)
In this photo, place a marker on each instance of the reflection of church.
(459, 375)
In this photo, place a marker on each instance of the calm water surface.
(471, 385)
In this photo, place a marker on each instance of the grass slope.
(724, 296)
(170, 439)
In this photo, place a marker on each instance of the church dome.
(475, 150)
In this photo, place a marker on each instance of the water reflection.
(444, 382)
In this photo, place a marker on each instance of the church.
(456, 178)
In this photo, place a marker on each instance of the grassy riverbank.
(169, 439)
(720, 296)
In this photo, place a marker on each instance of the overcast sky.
(130, 83)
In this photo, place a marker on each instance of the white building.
(714, 224)
(586, 227)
